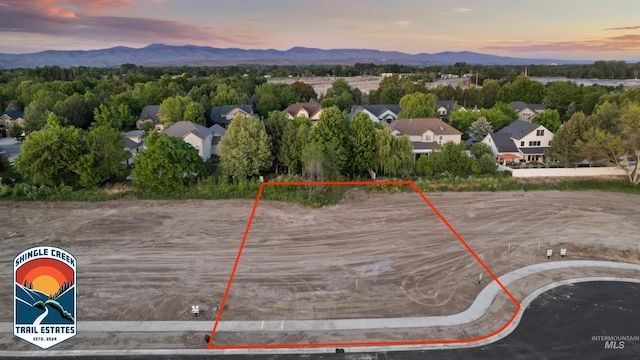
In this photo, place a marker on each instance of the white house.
(198, 136)
(521, 141)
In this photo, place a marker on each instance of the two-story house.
(200, 137)
(527, 111)
(521, 141)
(425, 133)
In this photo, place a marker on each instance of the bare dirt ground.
(372, 255)
(321, 84)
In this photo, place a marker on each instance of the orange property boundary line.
(361, 343)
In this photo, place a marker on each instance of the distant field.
(322, 83)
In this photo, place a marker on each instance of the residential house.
(521, 141)
(218, 133)
(527, 111)
(425, 133)
(150, 114)
(7, 118)
(200, 137)
(222, 115)
(385, 113)
(134, 143)
(445, 107)
(309, 110)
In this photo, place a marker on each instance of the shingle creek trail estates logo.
(44, 312)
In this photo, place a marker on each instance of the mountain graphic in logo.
(44, 296)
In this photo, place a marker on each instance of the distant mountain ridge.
(170, 55)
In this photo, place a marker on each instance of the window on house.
(521, 143)
(427, 138)
(539, 132)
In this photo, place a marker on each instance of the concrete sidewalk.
(473, 313)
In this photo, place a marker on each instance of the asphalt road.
(560, 324)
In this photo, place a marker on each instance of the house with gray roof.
(200, 137)
(134, 143)
(384, 113)
(525, 111)
(222, 115)
(426, 134)
(150, 114)
(444, 108)
(521, 141)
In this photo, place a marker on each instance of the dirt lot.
(151, 260)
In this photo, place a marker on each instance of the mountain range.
(170, 55)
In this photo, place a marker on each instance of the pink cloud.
(607, 44)
(84, 20)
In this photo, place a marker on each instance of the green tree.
(35, 116)
(224, 95)
(450, 159)
(564, 97)
(269, 97)
(116, 116)
(479, 149)
(487, 165)
(294, 139)
(244, 150)
(105, 158)
(417, 105)
(361, 137)
(77, 109)
(194, 112)
(48, 156)
(564, 146)
(462, 120)
(305, 92)
(402, 158)
(172, 109)
(550, 119)
(522, 89)
(479, 129)
(331, 131)
(167, 164)
(319, 162)
(275, 125)
(490, 89)
(340, 94)
(617, 147)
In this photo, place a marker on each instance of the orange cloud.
(57, 12)
(96, 7)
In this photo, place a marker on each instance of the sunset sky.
(562, 29)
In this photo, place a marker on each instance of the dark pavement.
(560, 324)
